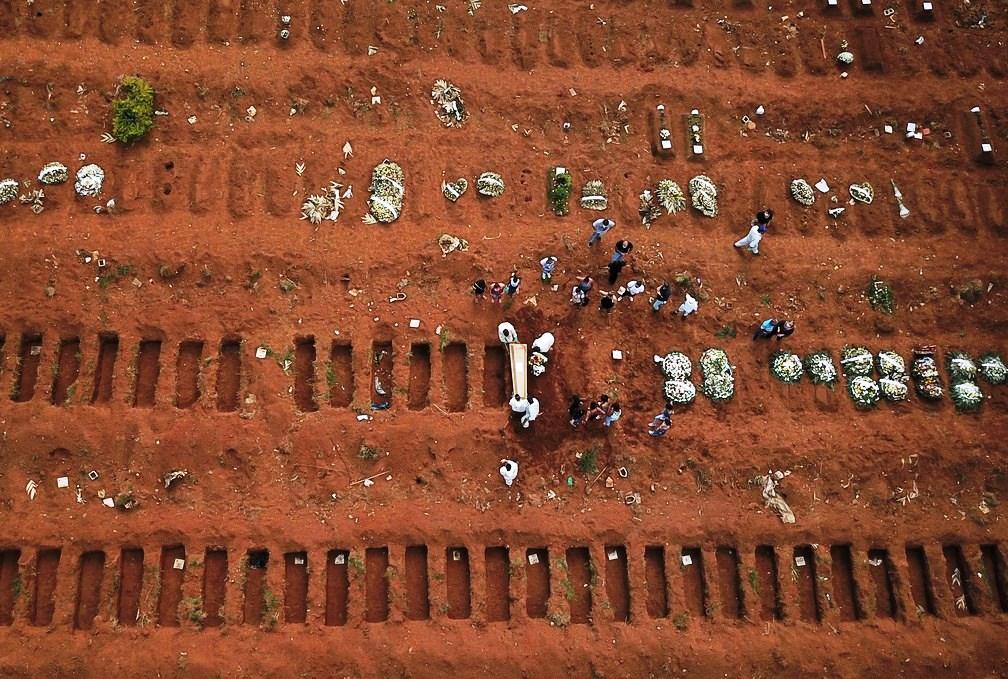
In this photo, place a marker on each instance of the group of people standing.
(603, 409)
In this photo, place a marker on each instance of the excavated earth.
(272, 558)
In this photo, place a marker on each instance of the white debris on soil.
(53, 173)
(773, 500)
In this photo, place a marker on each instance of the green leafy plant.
(681, 621)
(560, 187)
(133, 110)
(367, 453)
(880, 295)
(588, 462)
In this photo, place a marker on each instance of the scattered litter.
(372, 50)
(623, 472)
(339, 559)
(375, 99)
(517, 8)
(32, 489)
(449, 243)
(108, 502)
(363, 417)
(414, 323)
(398, 297)
(79, 496)
(632, 499)
(449, 107)
(773, 499)
(173, 476)
(835, 212)
(299, 167)
(250, 114)
(368, 483)
(875, 562)
(904, 212)
(617, 355)
(93, 475)
(191, 120)
(347, 150)
(63, 482)
(822, 186)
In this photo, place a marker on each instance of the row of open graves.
(169, 586)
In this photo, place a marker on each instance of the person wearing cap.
(509, 470)
(757, 228)
(600, 227)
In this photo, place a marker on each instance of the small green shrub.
(880, 295)
(559, 193)
(133, 111)
(588, 462)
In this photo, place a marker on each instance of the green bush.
(559, 192)
(133, 111)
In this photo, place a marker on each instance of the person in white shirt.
(759, 227)
(518, 405)
(633, 288)
(543, 343)
(507, 333)
(509, 470)
(688, 306)
(531, 412)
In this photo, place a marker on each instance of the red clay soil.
(149, 365)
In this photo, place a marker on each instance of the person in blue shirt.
(771, 327)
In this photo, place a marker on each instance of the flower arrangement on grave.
(802, 192)
(593, 195)
(993, 369)
(490, 184)
(448, 104)
(704, 195)
(786, 367)
(560, 186)
(670, 196)
(718, 378)
(820, 368)
(387, 190)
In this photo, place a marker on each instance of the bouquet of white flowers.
(8, 190)
(387, 190)
(680, 392)
(704, 195)
(670, 196)
(593, 195)
(894, 388)
(786, 367)
(820, 368)
(890, 364)
(718, 378)
(855, 361)
(993, 369)
(960, 366)
(802, 192)
(864, 391)
(966, 395)
(675, 365)
(490, 184)
(53, 173)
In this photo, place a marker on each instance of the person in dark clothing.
(513, 284)
(607, 303)
(763, 217)
(595, 412)
(771, 327)
(623, 249)
(661, 297)
(576, 410)
(615, 267)
(478, 289)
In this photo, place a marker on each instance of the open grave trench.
(672, 586)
